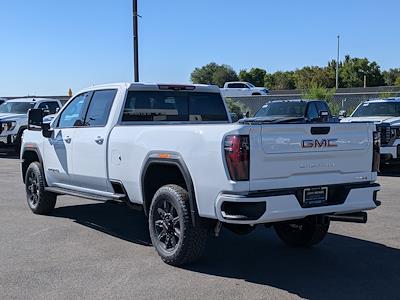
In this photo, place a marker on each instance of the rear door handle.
(99, 140)
(67, 139)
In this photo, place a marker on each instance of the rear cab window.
(174, 106)
(99, 108)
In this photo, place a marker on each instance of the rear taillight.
(376, 151)
(237, 155)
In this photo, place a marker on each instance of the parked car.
(2, 100)
(306, 110)
(242, 89)
(172, 151)
(385, 113)
(14, 119)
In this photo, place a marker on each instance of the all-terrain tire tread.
(47, 200)
(194, 238)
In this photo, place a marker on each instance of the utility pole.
(337, 62)
(135, 41)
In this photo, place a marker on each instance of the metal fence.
(346, 99)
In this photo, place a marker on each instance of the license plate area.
(315, 196)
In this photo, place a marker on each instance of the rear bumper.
(282, 205)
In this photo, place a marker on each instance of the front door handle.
(99, 140)
(67, 139)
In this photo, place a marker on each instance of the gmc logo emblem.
(324, 143)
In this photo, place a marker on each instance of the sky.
(49, 46)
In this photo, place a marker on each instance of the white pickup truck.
(172, 151)
(385, 113)
(242, 89)
(14, 119)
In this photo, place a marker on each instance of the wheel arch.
(28, 156)
(172, 162)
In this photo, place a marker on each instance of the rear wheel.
(39, 201)
(172, 233)
(305, 232)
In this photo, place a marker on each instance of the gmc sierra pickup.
(385, 113)
(14, 119)
(173, 151)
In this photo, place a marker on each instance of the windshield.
(282, 109)
(371, 109)
(16, 107)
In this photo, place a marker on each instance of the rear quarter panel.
(199, 146)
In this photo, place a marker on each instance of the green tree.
(213, 73)
(390, 76)
(353, 70)
(307, 77)
(397, 82)
(280, 81)
(254, 75)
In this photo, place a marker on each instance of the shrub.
(236, 107)
(316, 92)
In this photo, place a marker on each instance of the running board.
(62, 191)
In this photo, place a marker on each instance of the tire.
(39, 201)
(303, 233)
(172, 232)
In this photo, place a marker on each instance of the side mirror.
(35, 119)
(35, 122)
(323, 116)
(342, 114)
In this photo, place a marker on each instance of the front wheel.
(172, 233)
(39, 201)
(302, 233)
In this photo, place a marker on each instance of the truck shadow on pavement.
(112, 218)
(9, 156)
(340, 267)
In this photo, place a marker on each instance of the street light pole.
(135, 41)
(337, 62)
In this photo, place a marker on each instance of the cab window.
(312, 112)
(72, 115)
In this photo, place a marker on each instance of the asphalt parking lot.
(91, 250)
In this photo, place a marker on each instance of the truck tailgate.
(295, 155)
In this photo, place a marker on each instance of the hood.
(12, 117)
(374, 119)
